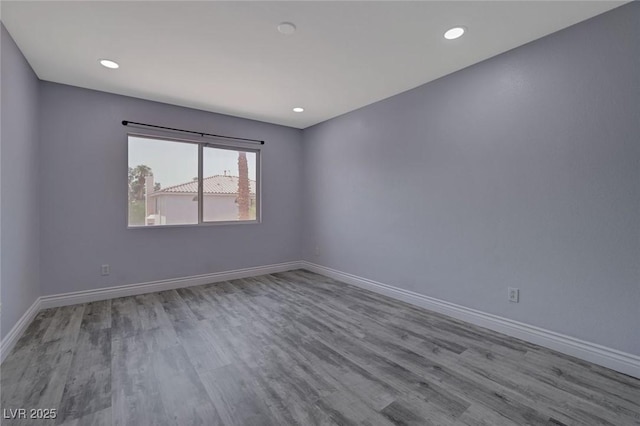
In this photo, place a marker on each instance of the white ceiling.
(228, 57)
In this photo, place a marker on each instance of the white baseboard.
(16, 331)
(76, 297)
(598, 354)
(73, 298)
(611, 358)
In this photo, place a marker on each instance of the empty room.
(320, 213)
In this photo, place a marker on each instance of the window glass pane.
(229, 189)
(163, 182)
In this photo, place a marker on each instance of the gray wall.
(84, 208)
(20, 247)
(523, 170)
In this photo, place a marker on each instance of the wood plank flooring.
(295, 348)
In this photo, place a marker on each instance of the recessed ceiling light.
(298, 109)
(109, 64)
(286, 28)
(454, 33)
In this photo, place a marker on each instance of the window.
(175, 182)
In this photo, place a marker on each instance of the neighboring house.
(177, 204)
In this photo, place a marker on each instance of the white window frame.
(202, 144)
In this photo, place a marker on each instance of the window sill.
(199, 225)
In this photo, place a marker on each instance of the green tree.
(137, 179)
(244, 196)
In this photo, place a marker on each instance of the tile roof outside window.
(218, 184)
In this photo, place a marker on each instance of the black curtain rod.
(126, 123)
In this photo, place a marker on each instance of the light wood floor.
(295, 348)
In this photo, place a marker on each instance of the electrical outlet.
(514, 294)
(105, 270)
(317, 251)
